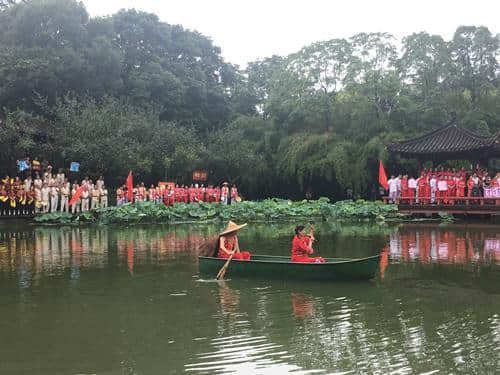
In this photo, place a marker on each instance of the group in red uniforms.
(170, 195)
(302, 246)
(441, 186)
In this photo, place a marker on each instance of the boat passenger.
(228, 243)
(302, 247)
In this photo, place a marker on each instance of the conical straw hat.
(232, 227)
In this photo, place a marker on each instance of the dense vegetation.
(267, 211)
(130, 92)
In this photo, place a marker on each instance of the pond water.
(118, 300)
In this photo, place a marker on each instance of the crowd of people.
(40, 190)
(443, 186)
(171, 194)
(46, 191)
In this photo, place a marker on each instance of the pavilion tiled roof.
(450, 139)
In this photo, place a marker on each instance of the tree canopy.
(132, 92)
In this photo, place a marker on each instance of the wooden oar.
(222, 271)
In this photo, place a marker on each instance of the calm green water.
(104, 300)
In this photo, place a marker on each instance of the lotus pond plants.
(268, 210)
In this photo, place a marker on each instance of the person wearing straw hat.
(228, 243)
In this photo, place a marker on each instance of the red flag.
(130, 187)
(382, 177)
(77, 195)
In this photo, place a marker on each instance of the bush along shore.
(249, 211)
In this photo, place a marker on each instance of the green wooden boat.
(280, 267)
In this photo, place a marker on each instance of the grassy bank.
(268, 210)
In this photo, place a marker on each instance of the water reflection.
(302, 305)
(33, 254)
(136, 290)
(458, 244)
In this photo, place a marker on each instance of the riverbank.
(249, 211)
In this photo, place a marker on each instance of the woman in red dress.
(228, 243)
(302, 247)
(405, 194)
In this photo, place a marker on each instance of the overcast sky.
(253, 29)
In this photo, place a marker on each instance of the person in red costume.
(166, 197)
(234, 193)
(200, 193)
(423, 189)
(452, 192)
(302, 247)
(461, 184)
(228, 243)
(186, 193)
(405, 194)
(217, 194)
(152, 194)
(192, 194)
(209, 194)
(171, 195)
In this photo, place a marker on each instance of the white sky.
(253, 29)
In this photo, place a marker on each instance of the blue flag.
(22, 165)
(74, 167)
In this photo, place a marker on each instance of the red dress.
(243, 255)
(404, 188)
(451, 191)
(461, 188)
(300, 250)
(424, 190)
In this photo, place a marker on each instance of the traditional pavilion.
(450, 142)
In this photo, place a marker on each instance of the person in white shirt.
(412, 187)
(60, 177)
(64, 198)
(393, 189)
(399, 186)
(54, 198)
(27, 183)
(104, 197)
(38, 199)
(45, 192)
(433, 184)
(442, 187)
(100, 183)
(85, 200)
(95, 194)
(38, 182)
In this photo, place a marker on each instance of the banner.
(492, 192)
(167, 185)
(200, 175)
(130, 187)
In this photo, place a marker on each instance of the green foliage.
(131, 92)
(268, 210)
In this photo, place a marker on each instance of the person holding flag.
(76, 193)
(75, 200)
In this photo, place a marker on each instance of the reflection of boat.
(280, 267)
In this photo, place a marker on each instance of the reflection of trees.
(426, 315)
